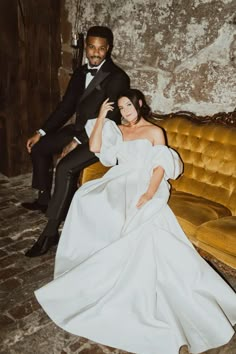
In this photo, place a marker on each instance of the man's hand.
(32, 141)
(143, 199)
(68, 148)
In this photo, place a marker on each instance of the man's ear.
(140, 103)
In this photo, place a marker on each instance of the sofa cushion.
(220, 234)
(193, 211)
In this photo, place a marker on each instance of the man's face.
(96, 50)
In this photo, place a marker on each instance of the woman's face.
(127, 109)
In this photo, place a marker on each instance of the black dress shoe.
(40, 248)
(35, 206)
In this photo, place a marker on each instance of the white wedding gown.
(129, 278)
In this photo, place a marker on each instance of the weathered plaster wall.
(180, 53)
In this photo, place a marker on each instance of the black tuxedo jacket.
(109, 81)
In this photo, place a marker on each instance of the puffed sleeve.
(111, 140)
(168, 159)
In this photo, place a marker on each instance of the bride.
(125, 273)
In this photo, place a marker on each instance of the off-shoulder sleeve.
(169, 160)
(111, 139)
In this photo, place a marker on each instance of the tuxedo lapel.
(99, 77)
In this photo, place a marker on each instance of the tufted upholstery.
(204, 197)
(209, 155)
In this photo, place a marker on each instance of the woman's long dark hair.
(135, 96)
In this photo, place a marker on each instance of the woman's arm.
(95, 140)
(158, 172)
(155, 181)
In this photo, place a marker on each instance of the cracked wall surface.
(181, 54)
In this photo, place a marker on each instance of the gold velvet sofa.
(204, 197)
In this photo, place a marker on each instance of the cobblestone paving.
(24, 327)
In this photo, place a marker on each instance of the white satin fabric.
(127, 277)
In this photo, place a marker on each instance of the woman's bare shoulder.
(158, 135)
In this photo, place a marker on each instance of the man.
(89, 86)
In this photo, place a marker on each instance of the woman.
(125, 273)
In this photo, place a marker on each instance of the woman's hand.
(105, 107)
(157, 176)
(143, 199)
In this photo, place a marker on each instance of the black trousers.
(67, 170)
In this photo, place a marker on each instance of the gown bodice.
(138, 153)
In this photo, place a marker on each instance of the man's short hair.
(101, 31)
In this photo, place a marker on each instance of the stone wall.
(180, 53)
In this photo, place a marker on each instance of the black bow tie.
(91, 71)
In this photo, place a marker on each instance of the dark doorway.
(30, 56)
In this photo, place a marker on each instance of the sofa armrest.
(94, 171)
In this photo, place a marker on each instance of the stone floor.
(24, 327)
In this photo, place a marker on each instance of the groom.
(89, 86)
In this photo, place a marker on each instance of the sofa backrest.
(209, 155)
